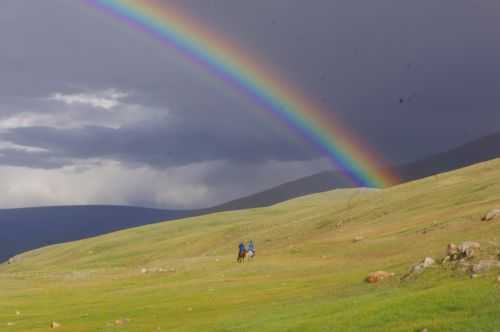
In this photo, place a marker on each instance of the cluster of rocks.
(464, 256)
(416, 269)
(466, 250)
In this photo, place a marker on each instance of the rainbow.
(223, 59)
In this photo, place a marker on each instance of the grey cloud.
(358, 58)
(35, 159)
(161, 145)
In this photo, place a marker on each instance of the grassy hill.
(308, 275)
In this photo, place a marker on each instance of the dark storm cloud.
(441, 58)
(409, 77)
(157, 145)
(360, 58)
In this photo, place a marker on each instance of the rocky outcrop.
(493, 214)
(466, 250)
(378, 276)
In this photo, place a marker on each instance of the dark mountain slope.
(483, 149)
(480, 150)
(315, 183)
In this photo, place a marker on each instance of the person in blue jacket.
(251, 249)
(242, 252)
(242, 248)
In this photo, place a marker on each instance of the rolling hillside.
(31, 228)
(309, 274)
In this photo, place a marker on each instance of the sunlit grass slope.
(308, 274)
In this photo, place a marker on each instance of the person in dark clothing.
(241, 253)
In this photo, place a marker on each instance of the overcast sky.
(94, 111)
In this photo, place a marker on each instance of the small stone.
(18, 313)
(424, 330)
(358, 239)
(452, 249)
(55, 325)
(144, 270)
(428, 261)
(11, 323)
(420, 267)
(498, 279)
(493, 214)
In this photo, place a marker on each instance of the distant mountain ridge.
(30, 228)
(483, 149)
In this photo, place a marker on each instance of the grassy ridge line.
(308, 275)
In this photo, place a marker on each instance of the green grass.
(308, 275)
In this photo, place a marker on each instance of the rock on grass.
(420, 267)
(378, 276)
(485, 266)
(493, 214)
